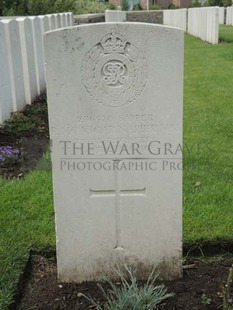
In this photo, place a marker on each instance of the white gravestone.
(5, 84)
(56, 20)
(15, 63)
(229, 16)
(67, 20)
(115, 16)
(46, 22)
(221, 15)
(28, 58)
(53, 22)
(115, 99)
(71, 19)
(63, 15)
(59, 21)
(39, 53)
(176, 18)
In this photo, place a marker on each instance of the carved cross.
(117, 193)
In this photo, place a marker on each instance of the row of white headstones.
(21, 47)
(229, 16)
(204, 23)
(22, 59)
(200, 22)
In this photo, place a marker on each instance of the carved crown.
(113, 43)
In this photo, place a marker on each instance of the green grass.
(208, 118)
(27, 222)
(226, 33)
(26, 207)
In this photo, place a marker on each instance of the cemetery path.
(201, 287)
(28, 133)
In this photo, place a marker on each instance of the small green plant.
(18, 124)
(89, 6)
(137, 7)
(124, 5)
(227, 3)
(129, 295)
(111, 6)
(227, 300)
(196, 4)
(35, 109)
(9, 12)
(205, 299)
(64, 6)
(45, 162)
(172, 6)
(155, 7)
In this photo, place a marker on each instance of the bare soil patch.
(201, 287)
(27, 132)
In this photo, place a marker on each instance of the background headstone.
(176, 18)
(204, 23)
(53, 22)
(39, 52)
(221, 15)
(120, 84)
(5, 83)
(229, 16)
(15, 63)
(28, 58)
(71, 19)
(59, 20)
(46, 22)
(64, 20)
(115, 16)
(67, 20)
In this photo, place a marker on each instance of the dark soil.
(28, 132)
(201, 287)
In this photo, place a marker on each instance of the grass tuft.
(130, 295)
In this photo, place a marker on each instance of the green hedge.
(38, 7)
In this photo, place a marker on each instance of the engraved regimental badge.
(114, 71)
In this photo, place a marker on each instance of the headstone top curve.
(112, 24)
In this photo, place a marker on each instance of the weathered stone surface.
(6, 105)
(28, 58)
(153, 17)
(39, 53)
(221, 15)
(14, 51)
(89, 19)
(115, 16)
(175, 18)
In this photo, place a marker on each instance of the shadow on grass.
(225, 34)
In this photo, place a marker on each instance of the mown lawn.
(208, 119)
(27, 222)
(26, 207)
(226, 33)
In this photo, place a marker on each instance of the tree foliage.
(219, 3)
(39, 7)
(124, 5)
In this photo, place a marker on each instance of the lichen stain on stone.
(166, 269)
(71, 45)
(170, 269)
